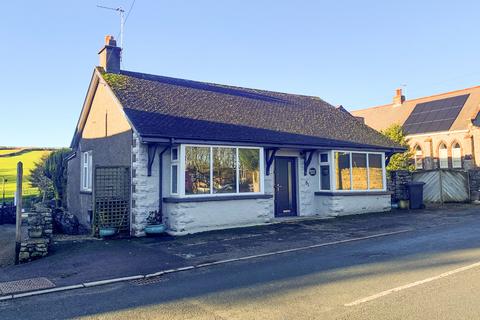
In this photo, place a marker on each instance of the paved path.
(7, 244)
(431, 272)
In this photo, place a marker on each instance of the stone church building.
(443, 130)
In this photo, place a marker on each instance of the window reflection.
(249, 173)
(197, 170)
(224, 170)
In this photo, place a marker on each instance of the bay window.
(352, 171)
(219, 170)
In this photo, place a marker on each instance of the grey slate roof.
(166, 107)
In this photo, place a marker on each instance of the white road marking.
(413, 284)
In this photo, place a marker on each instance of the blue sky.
(353, 53)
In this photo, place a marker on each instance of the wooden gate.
(444, 185)
(111, 196)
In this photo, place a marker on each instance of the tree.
(50, 176)
(39, 180)
(399, 161)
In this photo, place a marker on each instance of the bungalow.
(208, 156)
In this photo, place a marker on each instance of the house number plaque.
(312, 171)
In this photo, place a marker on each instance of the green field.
(8, 170)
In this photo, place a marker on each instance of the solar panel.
(433, 116)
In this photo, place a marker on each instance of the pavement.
(425, 266)
(7, 245)
(85, 260)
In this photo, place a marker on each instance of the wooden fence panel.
(444, 185)
(431, 190)
(455, 186)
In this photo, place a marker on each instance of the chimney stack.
(399, 98)
(110, 55)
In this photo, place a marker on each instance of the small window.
(86, 171)
(418, 158)
(324, 158)
(443, 156)
(174, 154)
(456, 156)
(174, 179)
(249, 170)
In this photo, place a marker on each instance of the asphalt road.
(435, 274)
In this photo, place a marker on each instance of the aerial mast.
(121, 12)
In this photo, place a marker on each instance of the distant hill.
(9, 157)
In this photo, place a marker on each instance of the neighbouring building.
(210, 156)
(443, 130)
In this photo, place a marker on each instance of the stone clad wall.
(37, 242)
(145, 191)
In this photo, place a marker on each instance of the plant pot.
(155, 229)
(403, 204)
(107, 232)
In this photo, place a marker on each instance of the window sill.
(217, 198)
(359, 193)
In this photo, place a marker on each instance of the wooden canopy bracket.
(152, 151)
(269, 157)
(307, 159)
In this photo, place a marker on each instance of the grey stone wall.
(396, 184)
(474, 177)
(39, 235)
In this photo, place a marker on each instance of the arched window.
(443, 156)
(418, 158)
(456, 155)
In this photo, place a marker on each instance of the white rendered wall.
(332, 206)
(191, 217)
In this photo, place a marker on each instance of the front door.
(285, 187)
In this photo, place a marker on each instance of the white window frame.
(333, 181)
(86, 171)
(323, 163)
(418, 157)
(181, 172)
(173, 163)
(443, 161)
(456, 158)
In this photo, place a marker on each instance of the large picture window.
(222, 170)
(355, 171)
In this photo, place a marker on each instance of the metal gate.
(444, 185)
(111, 196)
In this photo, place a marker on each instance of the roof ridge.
(221, 85)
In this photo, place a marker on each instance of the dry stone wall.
(39, 236)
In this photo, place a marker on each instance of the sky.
(353, 53)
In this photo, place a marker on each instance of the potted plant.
(105, 230)
(154, 224)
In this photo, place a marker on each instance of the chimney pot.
(399, 98)
(110, 55)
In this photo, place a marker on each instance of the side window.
(324, 171)
(86, 171)
(174, 171)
